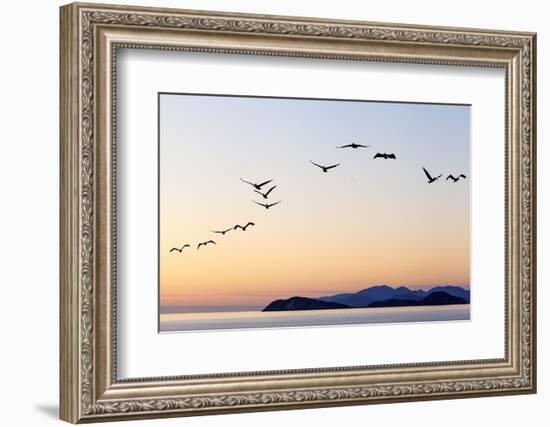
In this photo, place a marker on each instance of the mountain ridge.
(366, 296)
(433, 298)
(376, 296)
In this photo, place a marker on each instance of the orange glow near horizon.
(364, 223)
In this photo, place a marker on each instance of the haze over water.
(243, 320)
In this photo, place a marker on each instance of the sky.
(364, 223)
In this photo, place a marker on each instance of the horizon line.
(464, 287)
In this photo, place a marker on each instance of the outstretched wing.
(345, 146)
(264, 183)
(319, 166)
(199, 245)
(249, 223)
(238, 226)
(261, 204)
(269, 191)
(362, 146)
(259, 192)
(217, 232)
(210, 241)
(449, 176)
(273, 204)
(187, 245)
(174, 249)
(462, 176)
(427, 173)
(332, 166)
(248, 182)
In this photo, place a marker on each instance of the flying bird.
(266, 194)
(430, 178)
(325, 168)
(222, 232)
(244, 227)
(457, 178)
(205, 243)
(267, 205)
(257, 186)
(180, 249)
(353, 145)
(384, 156)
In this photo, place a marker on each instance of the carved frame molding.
(90, 35)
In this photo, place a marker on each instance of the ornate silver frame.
(90, 36)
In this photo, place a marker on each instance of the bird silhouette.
(222, 232)
(180, 249)
(267, 205)
(244, 227)
(205, 243)
(266, 194)
(257, 186)
(457, 178)
(325, 168)
(384, 156)
(430, 178)
(353, 145)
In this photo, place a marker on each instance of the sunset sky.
(364, 223)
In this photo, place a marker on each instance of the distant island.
(376, 296)
(302, 303)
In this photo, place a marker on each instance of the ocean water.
(171, 322)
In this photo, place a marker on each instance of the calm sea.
(277, 319)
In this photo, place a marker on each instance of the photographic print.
(292, 212)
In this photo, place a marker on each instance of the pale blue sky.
(328, 226)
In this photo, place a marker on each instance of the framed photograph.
(266, 212)
(316, 262)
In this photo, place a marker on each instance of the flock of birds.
(388, 156)
(257, 187)
(212, 242)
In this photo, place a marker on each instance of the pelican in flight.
(384, 156)
(457, 178)
(257, 186)
(266, 194)
(244, 227)
(222, 232)
(180, 249)
(325, 168)
(267, 205)
(430, 178)
(205, 243)
(354, 146)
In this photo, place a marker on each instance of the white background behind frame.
(142, 352)
(31, 388)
